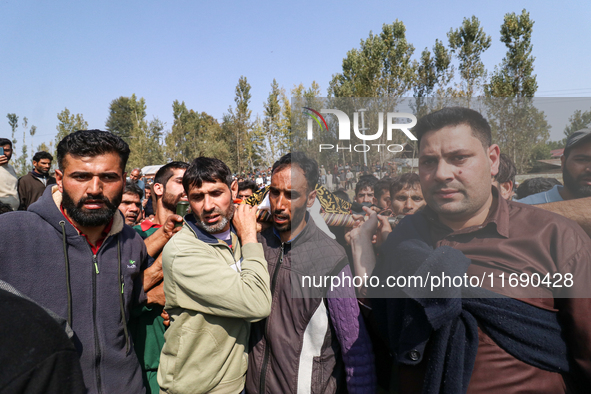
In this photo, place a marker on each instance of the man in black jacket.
(32, 185)
(86, 267)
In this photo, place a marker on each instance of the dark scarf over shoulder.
(530, 334)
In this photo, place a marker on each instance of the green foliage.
(272, 124)
(381, 67)
(13, 122)
(125, 113)
(68, 123)
(524, 140)
(519, 128)
(22, 166)
(195, 134)
(577, 121)
(145, 144)
(433, 71)
(44, 148)
(237, 127)
(468, 43)
(127, 119)
(514, 77)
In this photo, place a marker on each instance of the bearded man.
(86, 265)
(32, 185)
(147, 328)
(576, 172)
(215, 283)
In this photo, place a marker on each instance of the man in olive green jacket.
(216, 283)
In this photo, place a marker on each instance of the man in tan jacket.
(8, 178)
(216, 283)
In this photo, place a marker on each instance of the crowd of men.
(113, 297)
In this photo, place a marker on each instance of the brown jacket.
(30, 188)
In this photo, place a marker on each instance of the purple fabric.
(353, 337)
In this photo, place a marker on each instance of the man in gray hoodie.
(72, 254)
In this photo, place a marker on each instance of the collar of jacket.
(201, 234)
(38, 175)
(304, 235)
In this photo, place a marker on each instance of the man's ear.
(505, 189)
(158, 189)
(494, 155)
(59, 179)
(234, 189)
(562, 161)
(311, 198)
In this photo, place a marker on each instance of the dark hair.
(247, 185)
(206, 169)
(308, 166)
(507, 170)
(5, 141)
(165, 172)
(42, 155)
(536, 185)
(408, 180)
(454, 116)
(342, 194)
(133, 188)
(381, 186)
(4, 208)
(91, 143)
(365, 181)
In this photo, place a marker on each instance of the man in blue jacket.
(84, 263)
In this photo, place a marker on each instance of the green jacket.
(211, 302)
(147, 329)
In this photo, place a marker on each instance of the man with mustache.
(86, 267)
(406, 195)
(215, 282)
(147, 327)
(32, 185)
(131, 205)
(466, 338)
(576, 172)
(314, 340)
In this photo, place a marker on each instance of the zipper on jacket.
(97, 347)
(262, 383)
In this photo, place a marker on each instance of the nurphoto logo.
(344, 128)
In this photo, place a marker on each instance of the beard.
(90, 218)
(170, 201)
(225, 218)
(574, 186)
(42, 172)
(295, 220)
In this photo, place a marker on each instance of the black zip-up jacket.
(94, 293)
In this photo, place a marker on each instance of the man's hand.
(155, 242)
(365, 227)
(3, 160)
(156, 295)
(169, 225)
(364, 259)
(166, 318)
(245, 222)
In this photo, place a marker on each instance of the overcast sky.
(82, 54)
